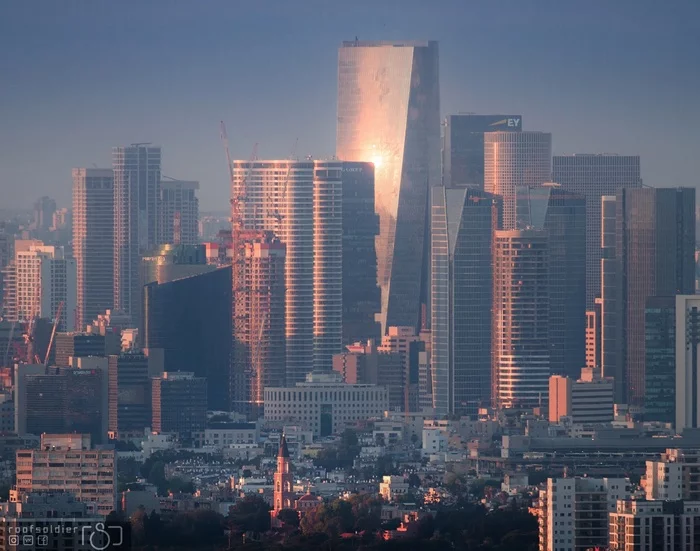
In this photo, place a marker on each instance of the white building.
(573, 512)
(324, 404)
(225, 435)
(675, 476)
(687, 343)
(392, 487)
(434, 440)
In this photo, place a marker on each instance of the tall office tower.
(170, 262)
(513, 159)
(78, 345)
(463, 146)
(563, 216)
(129, 395)
(189, 318)
(593, 335)
(45, 278)
(520, 336)
(389, 113)
(660, 359)
(89, 473)
(361, 294)
(93, 241)
(463, 221)
(409, 344)
(136, 197)
(328, 262)
(178, 212)
(655, 251)
(44, 208)
(608, 297)
(594, 176)
(278, 196)
(259, 303)
(687, 349)
(179, 404)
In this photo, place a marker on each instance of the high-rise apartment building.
(178, 212)
(259, 351)
(660, 359)
(687, 352)
(361, 294)
(573, 512)
(520, 351)
(179, 404)
(44, 278)
(129, 395)
(389, 114)
(676, 475)
(463, 146)
(136, 196)
(463, 222)
(189, 318)
(69, 463)
(514, 159)
(44, 207)
(594, 176)
(655, 256)
(562, 215)
(93, 241)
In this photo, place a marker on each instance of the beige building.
(675, 476)
(68, 463)
(587, 400)
(392, 487)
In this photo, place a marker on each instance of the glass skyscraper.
(594, 176)
(389, 114)
(463, 221)
(660, 365)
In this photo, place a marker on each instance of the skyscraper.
(179, 404)
(687, 352)
(136, 196)
(178, 212)
(389, 114)
(463, 222)
(563, 216)
(44, 207)
(594, 176)
(655, 252)
(93, 241)
(520, 350)
(660, 360)
(463, 146)
(259, 351)
(513, 159)
(129, 395)
(361, 294)
(610, 365)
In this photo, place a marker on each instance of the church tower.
(284, 496)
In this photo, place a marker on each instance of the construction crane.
(276, 214)
(239, 195)
(9, 342)
(53, 333)
(224, 139)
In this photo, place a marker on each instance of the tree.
(250, 514)
(289, 517)
(414, 480)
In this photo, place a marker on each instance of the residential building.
(658, 525)
(463, 146)
(179, 404)
(224, 435)
(129, 395)
(323, 404)
(392, 487)
(389, 113)
(588, 400)
(687, 344)
(93, 242)
(562, 215)
(660, 360)
(676, 475)
(178, 212)
(69, 463)
(463, 222)
(362, 299)
(514, 159)
(136, 196)
(573, 512)
(520, 339)
(594, 176)
(44, 207)
(655, 252)
(189, 318)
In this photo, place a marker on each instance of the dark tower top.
(284, 450)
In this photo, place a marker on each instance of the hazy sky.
(78, 77)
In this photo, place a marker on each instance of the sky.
(78, 77)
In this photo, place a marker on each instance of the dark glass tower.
(655, 252)
(563, 216)
(660, 350)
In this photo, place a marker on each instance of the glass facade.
(595, 176)
(190, 319)
(463, 222)
(563, 216)
(660, 365)
(389, 114)
(463, 146)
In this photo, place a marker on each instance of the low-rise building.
(434, 440)
(392, 487)
(588, 400)
(675, 476)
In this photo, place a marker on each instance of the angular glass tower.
(389, 114)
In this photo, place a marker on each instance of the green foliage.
(414, 480)
(289, 517)
(250, 514)
(199, 529)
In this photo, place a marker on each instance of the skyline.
(599, 77)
